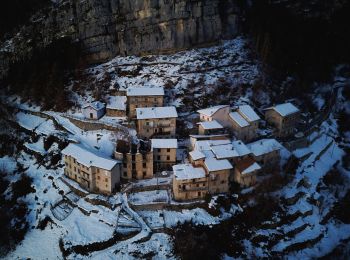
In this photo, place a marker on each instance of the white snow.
(188, 172)
(211, 125)
(145, 91)
(156, 112)
(213, 164)
(149, 197)
(117, 103)
(284, 109)
(163, 143)
(211, 110)
(235, 116)
(88, 158)
(249, 113)
(264, 146)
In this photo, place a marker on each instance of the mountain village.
(227, 149)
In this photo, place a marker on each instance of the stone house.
(246, 171)
(189, 182)
(143, 97)
(284, 117)
(267, 153)
(116, 106)
(156, 122)
(137, 159)
(218, 113)
(94, 173)
(164, 153)
(244, 123)
(94, 110)
(218, 172)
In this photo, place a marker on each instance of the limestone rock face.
(106, 28)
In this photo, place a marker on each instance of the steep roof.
(164, 143)
(284, 109)
(187, 172)
(264, 146)
(96, 105)
(88, 158)
(247, 165)
(145, 91)
(196, 155)
(211, 110)
(211, 125)
(235, 116)
(155, 112)
(248, 113)
(214, 165)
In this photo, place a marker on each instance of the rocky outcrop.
(106, 28)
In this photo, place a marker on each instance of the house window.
(106, 179)
(199, 193)
(98, 170)
(168, 157)
(124, 165)
(144, 174)
(203, 184)
(222, 182)
(75, 169)
(159, 150)
(168, 150)
(158, 157)
(98, 177)
(197, 185)
(144, 165)
(125, 174)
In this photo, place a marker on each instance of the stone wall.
(106, 28)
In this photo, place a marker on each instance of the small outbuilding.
(94, 110)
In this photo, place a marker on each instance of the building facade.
(94, 110)
(284, 117)
(93, 173)
(164, 154)
(143, 97)
(189, 182)
(156, 122)
(218, 113)
(116, 106)
(246, 171)
(137, 159)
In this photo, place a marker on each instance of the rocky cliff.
(105, 28)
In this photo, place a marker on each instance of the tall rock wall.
(106, 28)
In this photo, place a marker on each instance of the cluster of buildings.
(226, 149)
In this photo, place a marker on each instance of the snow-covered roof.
(88, 158)
(187, 172)
(97, 105)
(145, 91)
(235, 116)
(284, 109)
(264, 146)
(207, 144)
(241, 148)
(248, 113)
(214, 165)
(247, 166)
(211, 110)
(196, 155)
(117, 102)
(164, 143)
(155, 112)
(224, 151)
(211, 125)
